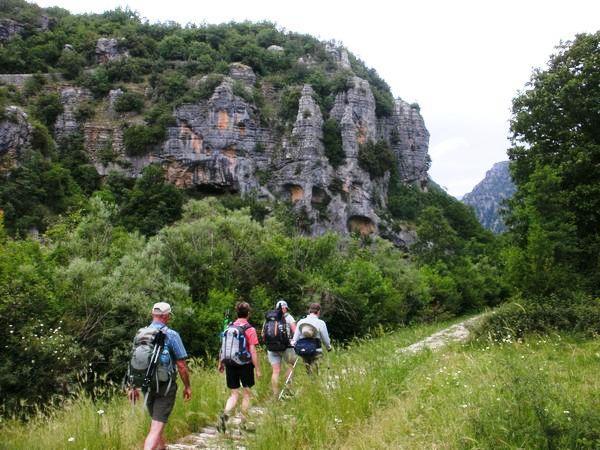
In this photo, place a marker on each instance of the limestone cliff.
(489, 196)
(224, 144)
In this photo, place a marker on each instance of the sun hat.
(161, 308)
(281, 304)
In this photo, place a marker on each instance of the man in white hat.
(288, 355)
(314, 329)
(160, 401)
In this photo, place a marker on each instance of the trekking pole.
(287, 380)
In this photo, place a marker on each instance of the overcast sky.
(462, 61)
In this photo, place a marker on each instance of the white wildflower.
(567, 412)
(71, 439)
(100, 412)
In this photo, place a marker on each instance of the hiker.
(162, 389)
(310, 336)
(278, 329)
(239, 360)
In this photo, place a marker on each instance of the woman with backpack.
(277, 332)
(239, 360)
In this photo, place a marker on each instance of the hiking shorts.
(288, 355)
(240, 375)
(160, 404)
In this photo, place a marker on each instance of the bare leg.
(275, 378)
(232, 401)
(246, 401)
(155, 440)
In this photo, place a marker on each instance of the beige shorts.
(288, 355)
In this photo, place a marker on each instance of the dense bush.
(376, 158)
(129, 101)
(141, 139)
(571, 313)
(46, 109)
(332, 140)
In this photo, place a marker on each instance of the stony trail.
(233, 438)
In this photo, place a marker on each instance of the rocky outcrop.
(15, 136)
(9, 28)
(409, 139)
(107, 49)
(243, 73)
(489, 196)
(71, 98)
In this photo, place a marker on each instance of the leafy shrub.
(129, 101)
(97, 82)
(140, 139)
(384, 102)
(574, 312)
(332, 140)
(47, 108)
(169, 86)
(71, 63)
(288, 108)
(376, 158)
(85, 111)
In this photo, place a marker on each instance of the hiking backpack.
(233, 346)
(150, 361)
(307, 347)
(275, 331)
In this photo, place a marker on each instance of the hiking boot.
(222, 423)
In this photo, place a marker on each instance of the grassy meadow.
(541, 392)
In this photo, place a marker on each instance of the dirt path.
(210, 438)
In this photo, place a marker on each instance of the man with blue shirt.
(160, 401)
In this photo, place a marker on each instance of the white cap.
(281, 304)
(161, 308)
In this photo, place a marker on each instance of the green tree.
(332, 140)
(556, 165)
(152, 203)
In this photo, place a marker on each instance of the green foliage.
(554, 216)
(46, 109)
(129, 101)
(152, 203)
(376, 158)
(36, 192)
(169, 86)
(288, 107)
(544, 315)
(332, 140)
(97, 82)
(71, 63)
(141, 139)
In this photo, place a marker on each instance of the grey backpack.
(150, 361)
(233, 346)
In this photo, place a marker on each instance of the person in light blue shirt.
(160, 402)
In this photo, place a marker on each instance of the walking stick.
(289, 377)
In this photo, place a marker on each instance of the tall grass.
(541, 393)
(352, 382)
(352, 385)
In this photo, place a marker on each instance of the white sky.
(462, 61)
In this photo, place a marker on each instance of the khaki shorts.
(161, 404)
(288, 355)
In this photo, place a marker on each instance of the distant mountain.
(487, 197)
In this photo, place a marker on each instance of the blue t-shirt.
(172, 342)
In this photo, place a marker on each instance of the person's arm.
(185, 377)
(325, 336)
(296, 334)
(180, 354)
(254, 355)
(292, 324)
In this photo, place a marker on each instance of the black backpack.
(275, 331)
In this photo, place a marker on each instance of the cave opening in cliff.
(362, 225)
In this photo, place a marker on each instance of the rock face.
(488, 196)
(222, 144)
(405, 131)
(9, 28)
(15, 136)
(71, 98)
(107, 49)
